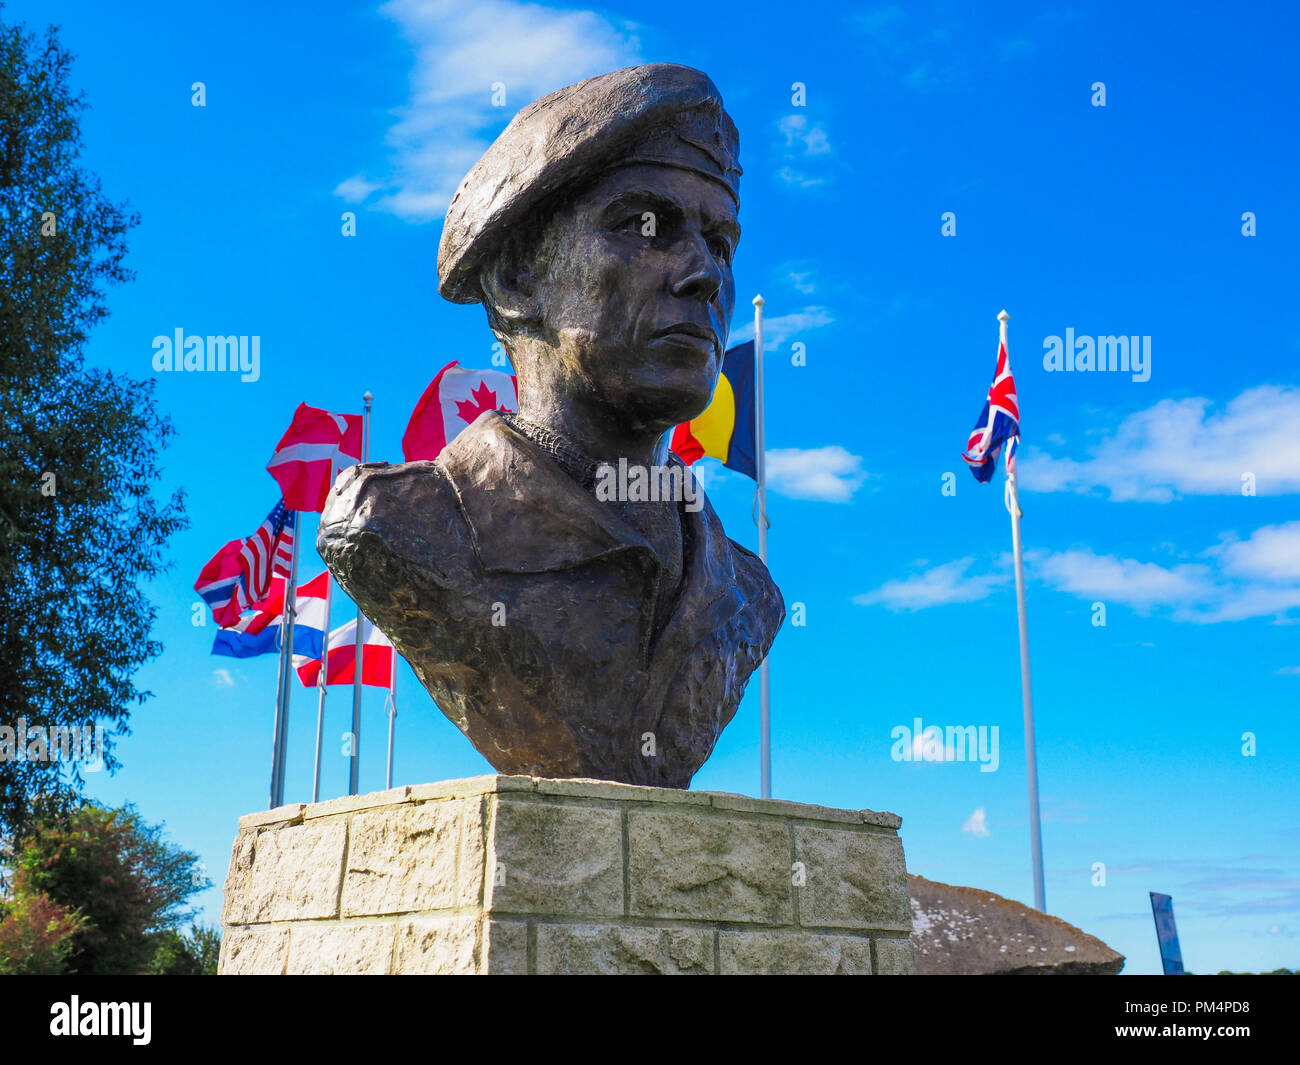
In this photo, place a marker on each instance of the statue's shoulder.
(757, 587)
(406, 509)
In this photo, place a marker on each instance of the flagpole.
(323, 686)
(286, 666)
(392, 716)
(354, 769)
(1026, 688)
(279, 702)
(764, 691)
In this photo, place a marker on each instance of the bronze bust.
(568, 634)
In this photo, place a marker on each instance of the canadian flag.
(451, 403)
(317, 445)
(377, 658)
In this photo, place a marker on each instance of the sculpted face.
(633, 290)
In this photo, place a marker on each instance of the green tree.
(117, 873)
(179, 954)
(79, 447)
(36, 936)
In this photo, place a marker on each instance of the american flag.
(265, 554)
(998, 423)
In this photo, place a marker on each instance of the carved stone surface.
(568, 876)
(566, 633)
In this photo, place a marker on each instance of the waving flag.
(317, 445)
(238, 577)
(452, 402)
(218, 581)
(376, 658)
(998, 423)
(259, 632)
(725, 431)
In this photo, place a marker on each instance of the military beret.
(659, 113)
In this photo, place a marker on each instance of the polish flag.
(451, 403)
(316, 447)
(377, 658)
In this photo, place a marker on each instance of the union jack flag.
(998, 424)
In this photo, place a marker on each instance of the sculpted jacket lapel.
(567, 527)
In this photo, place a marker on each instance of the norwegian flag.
(316, 447)
(998, 424)
(451, 403)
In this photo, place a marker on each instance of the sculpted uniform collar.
(569, 527)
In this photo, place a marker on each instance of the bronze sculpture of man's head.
(565, 633)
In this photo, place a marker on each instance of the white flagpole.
(286, 668)
(392, 716)
(320, 683)
(279, 702)
(354, 769)
(764, 692)
(1026, 688)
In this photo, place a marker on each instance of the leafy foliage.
(36, 936)
(79, 526)
(116, 873)
(179, 954)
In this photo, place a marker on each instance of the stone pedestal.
(503, 874)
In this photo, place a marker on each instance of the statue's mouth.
(684, 330)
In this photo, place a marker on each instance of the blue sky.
(1123, 219)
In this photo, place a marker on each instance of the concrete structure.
(510, 874)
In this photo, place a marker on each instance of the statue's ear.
(510, 286)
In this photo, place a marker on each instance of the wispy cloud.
(830, 474)
(950, 582)
(461, 51)
(1185, 447)
(222, 678)
(1241, 579)
(777, 330)
(977, 824)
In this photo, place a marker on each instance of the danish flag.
(998, 424)
(316, 447)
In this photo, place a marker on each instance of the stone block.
(854, 879)
(627, 950)
(708, 866)
(437, 945)
(355, 949)
(895, 957)
(554, 859)
(403, 859)
(792, 953)
(254, 951)
(286, 874)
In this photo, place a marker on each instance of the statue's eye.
(721, 248)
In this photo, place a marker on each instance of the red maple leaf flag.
(453, 402)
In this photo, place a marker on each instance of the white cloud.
(783, 327)
(936, 586)
(355, 189)
(1271, 553)
(1107, 578)
(798, 178)
(802, 138)
(830, 474)
(461, 50)
(977, 824)
(1288, 671)
(1184, 447)
(223, 678)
